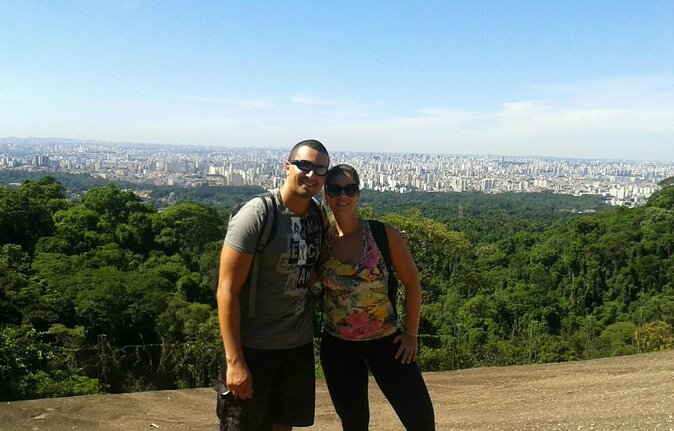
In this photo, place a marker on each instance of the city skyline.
(624, 183)
(284, 147)
(573, 79)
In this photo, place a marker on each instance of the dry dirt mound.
(626, 393)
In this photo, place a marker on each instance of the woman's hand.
(407, 351)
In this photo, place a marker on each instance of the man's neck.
(297, 204)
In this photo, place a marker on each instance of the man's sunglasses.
(307, 166)
(351, 190)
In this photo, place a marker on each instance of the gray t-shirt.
(283, 317)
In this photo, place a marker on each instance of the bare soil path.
(625, 393)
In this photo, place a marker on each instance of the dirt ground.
(626, 393)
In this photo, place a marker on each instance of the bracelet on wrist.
(411, 333)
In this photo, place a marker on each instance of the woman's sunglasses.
(307, 166)
(351, 190)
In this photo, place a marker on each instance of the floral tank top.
(356, 302)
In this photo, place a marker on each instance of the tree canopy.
(104, 291)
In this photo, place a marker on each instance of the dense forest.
(102, 291)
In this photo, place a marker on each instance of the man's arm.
(234, 269)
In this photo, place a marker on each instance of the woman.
(360, 329)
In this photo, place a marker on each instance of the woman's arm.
(406, 269)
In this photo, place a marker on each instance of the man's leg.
(293, 396)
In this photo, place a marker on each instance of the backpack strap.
(268, 231)
(378, 230)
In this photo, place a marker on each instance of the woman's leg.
(402, 384)
(346, 375)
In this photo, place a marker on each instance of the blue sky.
(589, 79)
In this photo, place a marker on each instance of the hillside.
(624, 393)
(107, 293)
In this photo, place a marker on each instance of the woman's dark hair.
(345, 169)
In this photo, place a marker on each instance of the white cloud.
(629, 118)
(586, 120)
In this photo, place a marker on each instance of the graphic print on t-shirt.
(301, 257)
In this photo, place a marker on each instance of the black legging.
(345, 365)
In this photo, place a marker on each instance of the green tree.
(13, 282)
(435, 248)
(28, 368)
(81, 229)
(47, 191)
(669, 181)
(617, 339)
(23, 220)
(187, 228)
(21, 353)
(192, 347)
(113, 205)
(658, 232)
(663, 198)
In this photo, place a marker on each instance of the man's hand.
(239, 381)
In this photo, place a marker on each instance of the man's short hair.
(311, 143)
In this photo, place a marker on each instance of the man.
(269, 362)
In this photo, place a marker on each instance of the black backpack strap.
(378, 230)
(268, 230)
